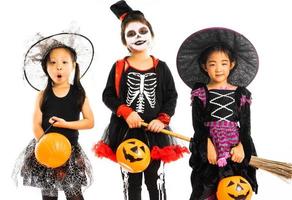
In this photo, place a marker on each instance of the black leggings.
(154, 180)
(78, 196)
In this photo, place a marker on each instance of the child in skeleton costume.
(140, 88)
(218, 64)
(48, 65)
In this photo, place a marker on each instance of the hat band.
(122, 17)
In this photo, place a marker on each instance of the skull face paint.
(138, 36)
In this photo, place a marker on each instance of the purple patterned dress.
(224, 117)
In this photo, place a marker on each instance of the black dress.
(76, 172)
(149, 93)
(224, 117)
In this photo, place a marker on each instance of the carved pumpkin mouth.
(239, 197)
(130, 157)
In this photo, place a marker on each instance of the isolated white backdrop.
(265, 23)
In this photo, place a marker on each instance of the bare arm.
(37, 118)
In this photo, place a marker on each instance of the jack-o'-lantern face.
(234, 188)
(133, 155)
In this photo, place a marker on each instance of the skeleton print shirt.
(141, 89)
(149, 92)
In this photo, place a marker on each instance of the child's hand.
(155, 126)
(58, 122)
(211, 151)
(134, 120)
(237, 153)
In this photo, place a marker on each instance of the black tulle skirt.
(162, 147)
(72, 177)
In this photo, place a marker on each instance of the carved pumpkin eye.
(234, 188)
(134, 149)
(230, 183)
(242, 181)
(133, 155)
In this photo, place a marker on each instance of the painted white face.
(138, 36)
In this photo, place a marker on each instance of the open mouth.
(140, 42)
(59, 76)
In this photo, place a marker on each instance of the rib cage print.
(141, 87)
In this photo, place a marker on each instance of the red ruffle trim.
(102, 150)
(166, 154)
(169, 153)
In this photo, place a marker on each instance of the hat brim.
(33, 71)
(190, 70)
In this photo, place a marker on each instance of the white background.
(267, 24)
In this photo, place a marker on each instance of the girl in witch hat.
(218, 64)
(48, 67)
(140, 88)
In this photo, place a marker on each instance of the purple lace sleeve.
(200, 93)
(244, 100)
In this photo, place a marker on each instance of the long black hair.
(76, 83)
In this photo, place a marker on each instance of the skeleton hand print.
(141, 86)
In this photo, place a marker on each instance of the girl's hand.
(134, 120)
(211, 152)
(155, 126)
(58, 122)
(237, 153)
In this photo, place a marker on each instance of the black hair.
(220, 47)
(134, 16)
(76, 83)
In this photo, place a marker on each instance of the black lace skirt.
(74, 175)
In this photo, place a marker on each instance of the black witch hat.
(33, 71)
(188, 65)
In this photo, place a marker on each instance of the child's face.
(138, 36)
(218, 67)
(60, 65)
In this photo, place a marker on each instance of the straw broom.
(282, 169)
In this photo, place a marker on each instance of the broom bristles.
(282, 169)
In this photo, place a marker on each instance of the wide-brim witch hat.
(33, 71)
(121, 9)
(188, 65)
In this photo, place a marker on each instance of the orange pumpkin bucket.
(133, 155)
(234, 187)
(53, 150)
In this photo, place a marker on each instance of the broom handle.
(167, 132)
(253, 160)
